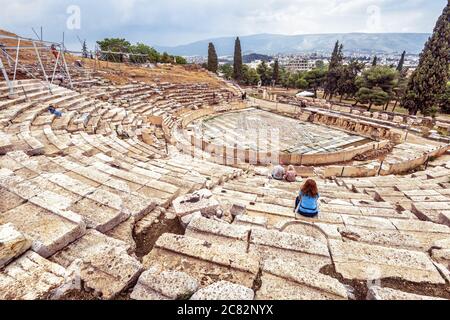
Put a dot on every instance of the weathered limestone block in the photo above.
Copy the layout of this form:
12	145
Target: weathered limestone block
272	244
441	252
205	261
49	232
31	277
237	210
254	222
219	232
5	144
185	220
386	238
437	212
12	243
165	285
366	262
369	222
124	232
306	229
378	293
224	290
106	266
444	218
199	201
288	280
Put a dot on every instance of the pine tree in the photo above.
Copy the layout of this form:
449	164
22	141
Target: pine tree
429	80
333	70
401	62
276	72
376	85
213	61
375	61
237	73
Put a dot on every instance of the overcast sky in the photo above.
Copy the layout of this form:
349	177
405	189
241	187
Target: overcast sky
174	22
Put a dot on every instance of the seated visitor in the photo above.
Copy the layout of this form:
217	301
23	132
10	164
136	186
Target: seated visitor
291	174
278	172
307	203
55	112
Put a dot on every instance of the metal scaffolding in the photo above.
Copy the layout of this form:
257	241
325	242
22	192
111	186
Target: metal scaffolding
12	60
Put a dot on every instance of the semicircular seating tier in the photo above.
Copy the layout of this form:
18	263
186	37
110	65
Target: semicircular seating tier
94	204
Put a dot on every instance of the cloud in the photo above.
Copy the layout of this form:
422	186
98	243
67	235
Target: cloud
173	22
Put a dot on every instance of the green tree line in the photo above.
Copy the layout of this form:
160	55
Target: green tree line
115	50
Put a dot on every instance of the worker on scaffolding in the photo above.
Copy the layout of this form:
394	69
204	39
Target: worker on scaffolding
3	49
54	51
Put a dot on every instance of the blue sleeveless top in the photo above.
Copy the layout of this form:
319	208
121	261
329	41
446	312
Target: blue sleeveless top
309	204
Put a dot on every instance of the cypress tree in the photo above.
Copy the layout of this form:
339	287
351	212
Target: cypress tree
84	50
429	80
276	72
237	73
401	62
375	61
213	61
334	70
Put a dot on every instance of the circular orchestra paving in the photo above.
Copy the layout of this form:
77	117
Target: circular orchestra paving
265	131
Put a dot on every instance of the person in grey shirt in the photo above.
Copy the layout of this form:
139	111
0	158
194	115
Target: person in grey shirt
278	172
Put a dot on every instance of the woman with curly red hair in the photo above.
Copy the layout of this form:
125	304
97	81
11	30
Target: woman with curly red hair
307	202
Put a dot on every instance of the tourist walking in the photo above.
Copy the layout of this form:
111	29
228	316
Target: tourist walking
307	202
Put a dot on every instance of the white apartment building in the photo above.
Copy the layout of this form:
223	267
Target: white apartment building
297	64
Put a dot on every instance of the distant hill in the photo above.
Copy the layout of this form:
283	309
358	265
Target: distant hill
270	44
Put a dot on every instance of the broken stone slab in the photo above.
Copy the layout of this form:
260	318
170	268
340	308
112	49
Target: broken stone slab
288	280
303	228
186	220
378	293
12	243
31	277
106	266
207	262
9	200
225	291
444	217
218	231
437	212
124	232
368	222
165	285
98	215
254	222
420	226
273	244
441	252
237	210
48	232
204	193
195	202
5	144
360	261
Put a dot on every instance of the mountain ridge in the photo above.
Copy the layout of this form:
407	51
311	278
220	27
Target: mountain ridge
271	44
